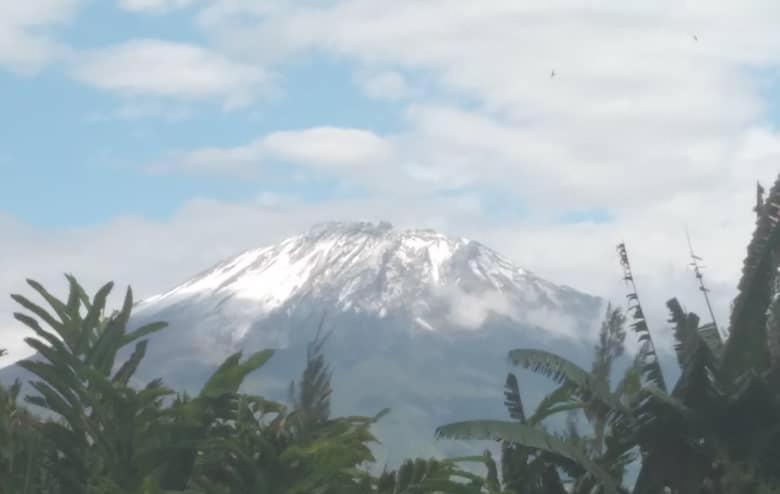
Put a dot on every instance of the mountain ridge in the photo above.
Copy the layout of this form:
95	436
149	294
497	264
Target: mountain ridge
418	322
371	268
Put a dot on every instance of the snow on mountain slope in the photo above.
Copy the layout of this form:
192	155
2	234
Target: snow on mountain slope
418	322
438	282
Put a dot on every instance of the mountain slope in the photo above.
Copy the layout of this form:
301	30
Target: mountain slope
418	322
439	284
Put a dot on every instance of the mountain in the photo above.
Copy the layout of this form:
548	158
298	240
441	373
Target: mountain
418	322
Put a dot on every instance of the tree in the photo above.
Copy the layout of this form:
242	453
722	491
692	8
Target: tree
240	443
326	454
421	476
107	432
719	429
24	456
109	437
532	455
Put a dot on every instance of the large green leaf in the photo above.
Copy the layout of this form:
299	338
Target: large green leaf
512	399
773	328
127	369
39	311
230	375
746	347
55	303
527	436
563	371
143	331
46	335
92	319
557	401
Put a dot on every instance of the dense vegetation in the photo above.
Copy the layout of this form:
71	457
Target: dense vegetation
716	430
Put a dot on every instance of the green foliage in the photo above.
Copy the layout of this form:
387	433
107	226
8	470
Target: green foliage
719	428
610	345
231	374
107	432
422	476
22	447
311	400
108	437
647	357
747	346
532	457
530	437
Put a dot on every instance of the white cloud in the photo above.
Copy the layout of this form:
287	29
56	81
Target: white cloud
634	92
582	255
154	6
136	109
388	85
471	310
27	42
640	120
200	234
330	148
165	69
221	160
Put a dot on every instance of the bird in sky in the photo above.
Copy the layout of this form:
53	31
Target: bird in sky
552	74
695	38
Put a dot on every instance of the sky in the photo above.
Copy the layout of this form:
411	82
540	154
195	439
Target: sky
144	140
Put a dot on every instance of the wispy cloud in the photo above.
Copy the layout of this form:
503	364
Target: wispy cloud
634	93
641	121
388	84
204	232
155	6
328	148
27	42
227	160
132	110
178	71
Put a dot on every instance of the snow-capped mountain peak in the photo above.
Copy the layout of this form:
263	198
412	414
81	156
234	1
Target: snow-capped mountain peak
371	268
418	322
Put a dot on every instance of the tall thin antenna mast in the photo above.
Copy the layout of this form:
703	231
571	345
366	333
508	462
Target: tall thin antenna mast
700	278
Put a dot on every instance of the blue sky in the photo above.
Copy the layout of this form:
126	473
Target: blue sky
178	132
88	161
65	142
87	149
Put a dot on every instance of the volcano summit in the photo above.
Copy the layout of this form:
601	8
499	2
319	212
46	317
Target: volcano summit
418	322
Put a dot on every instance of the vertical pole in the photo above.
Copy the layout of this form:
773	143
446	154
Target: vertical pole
700	277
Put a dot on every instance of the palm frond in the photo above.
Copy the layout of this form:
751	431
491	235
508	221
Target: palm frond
561	370
558	401
528	436
685	325
773	327
231	373
746	346
512	399
650	366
